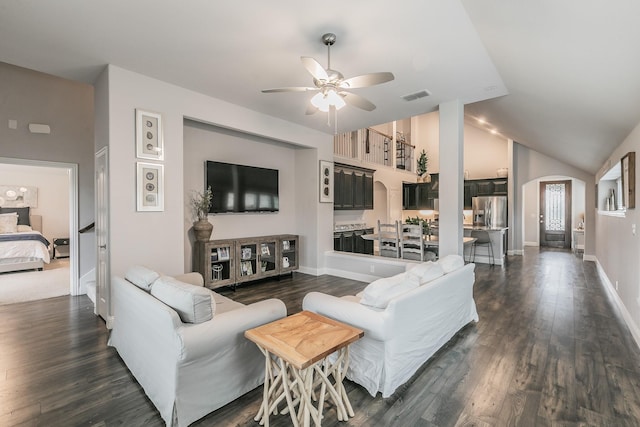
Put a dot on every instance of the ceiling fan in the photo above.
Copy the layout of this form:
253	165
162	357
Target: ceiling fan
332	87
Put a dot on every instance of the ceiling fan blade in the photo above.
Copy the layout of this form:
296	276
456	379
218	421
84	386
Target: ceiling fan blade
290	89
366	80
357	101
314	68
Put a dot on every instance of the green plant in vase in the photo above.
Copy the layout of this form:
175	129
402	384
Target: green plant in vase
200	203
423	163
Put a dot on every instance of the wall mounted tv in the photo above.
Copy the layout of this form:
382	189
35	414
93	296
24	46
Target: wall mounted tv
239	188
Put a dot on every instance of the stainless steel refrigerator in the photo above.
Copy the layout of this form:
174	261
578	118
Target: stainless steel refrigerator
489	211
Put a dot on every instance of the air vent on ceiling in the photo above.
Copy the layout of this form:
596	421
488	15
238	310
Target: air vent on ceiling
417	95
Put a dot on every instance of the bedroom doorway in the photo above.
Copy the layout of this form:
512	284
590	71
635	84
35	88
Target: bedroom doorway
58	207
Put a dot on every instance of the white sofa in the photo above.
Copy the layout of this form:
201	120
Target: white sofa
187	369
407	318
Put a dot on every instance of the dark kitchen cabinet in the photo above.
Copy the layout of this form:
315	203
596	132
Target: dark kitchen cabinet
420	195
470	191
353	188
500	187
352	241
484	187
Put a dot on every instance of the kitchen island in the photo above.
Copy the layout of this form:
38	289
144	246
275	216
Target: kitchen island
498	237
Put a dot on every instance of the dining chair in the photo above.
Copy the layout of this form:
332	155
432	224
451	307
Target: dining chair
389	239
483	238
411	244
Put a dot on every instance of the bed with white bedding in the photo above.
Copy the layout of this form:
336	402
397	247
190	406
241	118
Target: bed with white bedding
24	250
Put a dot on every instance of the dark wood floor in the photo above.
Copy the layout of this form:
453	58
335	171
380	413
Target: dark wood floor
549	350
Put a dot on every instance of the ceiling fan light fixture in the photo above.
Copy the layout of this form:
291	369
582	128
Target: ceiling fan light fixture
322	101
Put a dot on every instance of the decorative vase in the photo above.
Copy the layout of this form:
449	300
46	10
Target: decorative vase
202	230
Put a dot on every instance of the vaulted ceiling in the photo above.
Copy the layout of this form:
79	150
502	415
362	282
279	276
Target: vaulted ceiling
559	77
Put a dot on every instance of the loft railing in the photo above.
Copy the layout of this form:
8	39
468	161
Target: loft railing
372	146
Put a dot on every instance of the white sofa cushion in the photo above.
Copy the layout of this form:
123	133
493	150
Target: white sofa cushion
141	276
451	263
378	293
194	304
426	272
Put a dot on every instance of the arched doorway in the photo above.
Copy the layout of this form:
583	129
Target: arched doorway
535	210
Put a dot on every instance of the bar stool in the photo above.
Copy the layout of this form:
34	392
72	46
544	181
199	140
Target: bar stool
482	239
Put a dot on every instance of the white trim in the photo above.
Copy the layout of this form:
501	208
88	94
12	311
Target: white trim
589	258
517	252
72	169
635	331
536	244
310	270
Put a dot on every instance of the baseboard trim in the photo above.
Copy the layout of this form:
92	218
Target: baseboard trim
309	270
531	244
517	252
351	275
87	278
635	331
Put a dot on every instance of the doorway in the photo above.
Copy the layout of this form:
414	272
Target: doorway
555	214
52	206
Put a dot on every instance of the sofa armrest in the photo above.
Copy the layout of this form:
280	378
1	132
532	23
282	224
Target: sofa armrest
191	278
375	324
226	329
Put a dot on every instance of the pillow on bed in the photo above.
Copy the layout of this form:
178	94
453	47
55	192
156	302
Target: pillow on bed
24	228
23	214
8	223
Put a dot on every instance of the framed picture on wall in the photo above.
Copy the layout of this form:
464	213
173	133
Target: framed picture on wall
326	181
150	187
149	135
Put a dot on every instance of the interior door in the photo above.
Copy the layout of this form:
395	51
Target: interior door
555	214
103	287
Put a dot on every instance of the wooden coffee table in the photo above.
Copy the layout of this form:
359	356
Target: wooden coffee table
296	364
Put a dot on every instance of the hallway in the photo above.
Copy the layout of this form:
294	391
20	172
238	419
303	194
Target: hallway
549	349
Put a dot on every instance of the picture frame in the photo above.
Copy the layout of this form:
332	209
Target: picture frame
223	253
326	181
149	187
149	135
265	250
628	172
246	253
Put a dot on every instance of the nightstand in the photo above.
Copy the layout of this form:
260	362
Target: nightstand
61	243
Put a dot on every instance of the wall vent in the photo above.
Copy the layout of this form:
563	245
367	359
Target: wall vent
417	95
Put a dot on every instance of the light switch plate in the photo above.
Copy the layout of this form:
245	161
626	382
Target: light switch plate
13	124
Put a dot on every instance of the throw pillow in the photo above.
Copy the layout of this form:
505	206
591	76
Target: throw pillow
379	293
192	303
8	223
24	228
142	277
23	214
451	263
426	272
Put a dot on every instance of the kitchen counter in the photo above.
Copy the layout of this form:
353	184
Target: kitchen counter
498	238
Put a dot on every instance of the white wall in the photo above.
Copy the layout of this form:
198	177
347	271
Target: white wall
204	142
53	195
156	239
617	248
484	152
67	107
529	166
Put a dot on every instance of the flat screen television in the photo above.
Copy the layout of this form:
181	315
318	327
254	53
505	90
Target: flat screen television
239	188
